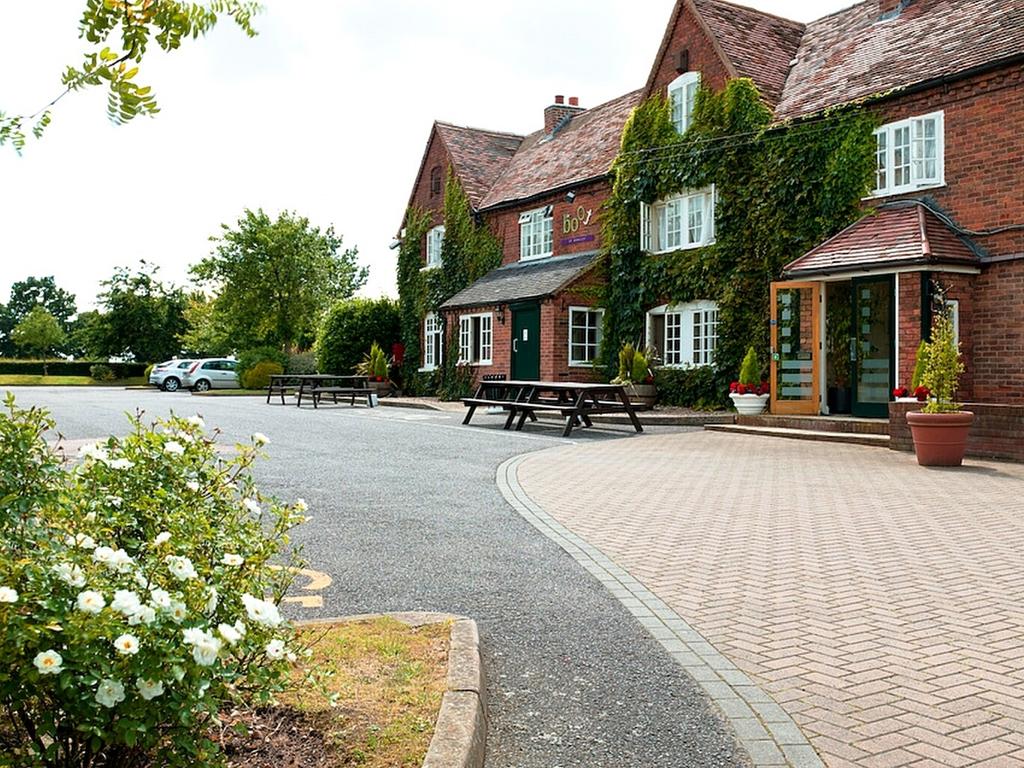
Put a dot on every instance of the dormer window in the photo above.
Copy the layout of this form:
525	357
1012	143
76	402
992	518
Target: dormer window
682	95
435	239
683	221
536	234
910	155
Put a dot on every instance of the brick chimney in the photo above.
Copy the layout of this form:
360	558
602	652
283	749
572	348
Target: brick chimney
558	111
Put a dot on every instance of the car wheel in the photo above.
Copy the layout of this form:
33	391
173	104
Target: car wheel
171	384
202	385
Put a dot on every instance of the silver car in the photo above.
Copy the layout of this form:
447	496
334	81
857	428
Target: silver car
212	373
168	375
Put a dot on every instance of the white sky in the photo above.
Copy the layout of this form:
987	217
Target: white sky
326	112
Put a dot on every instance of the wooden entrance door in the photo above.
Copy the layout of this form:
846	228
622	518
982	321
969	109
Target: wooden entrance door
796	348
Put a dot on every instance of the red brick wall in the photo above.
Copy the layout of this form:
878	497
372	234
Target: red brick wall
995	434
908	325
501	337
984	152
422	197
687	33
998	333
554	330
505	223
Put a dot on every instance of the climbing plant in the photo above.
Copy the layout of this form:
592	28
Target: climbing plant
780	190
469	251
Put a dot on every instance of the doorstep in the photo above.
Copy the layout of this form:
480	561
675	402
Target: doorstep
826	436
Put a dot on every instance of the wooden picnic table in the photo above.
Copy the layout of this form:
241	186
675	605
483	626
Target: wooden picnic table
317	385
576	401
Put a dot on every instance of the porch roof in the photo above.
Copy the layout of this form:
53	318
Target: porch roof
522	280
901	234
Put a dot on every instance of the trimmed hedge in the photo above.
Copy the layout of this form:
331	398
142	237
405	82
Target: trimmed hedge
702	389
258	377
68	368
349	329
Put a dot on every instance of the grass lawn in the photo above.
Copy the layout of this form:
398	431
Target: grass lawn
25	380
389	678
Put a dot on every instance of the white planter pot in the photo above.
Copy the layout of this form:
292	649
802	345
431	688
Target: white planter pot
907	400
749	405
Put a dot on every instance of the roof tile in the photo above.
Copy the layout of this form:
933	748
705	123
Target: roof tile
522	280
479	156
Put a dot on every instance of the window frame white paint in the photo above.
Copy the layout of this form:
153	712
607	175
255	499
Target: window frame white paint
435	241
599	311
683	348
468	340
683	92
430	350
655	235
912	151
537	229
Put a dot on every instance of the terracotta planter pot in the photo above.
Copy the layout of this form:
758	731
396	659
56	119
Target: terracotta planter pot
940	439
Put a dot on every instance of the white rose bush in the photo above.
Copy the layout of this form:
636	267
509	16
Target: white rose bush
139	594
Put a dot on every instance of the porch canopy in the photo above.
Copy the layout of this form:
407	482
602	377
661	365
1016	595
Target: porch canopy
522	281
905	234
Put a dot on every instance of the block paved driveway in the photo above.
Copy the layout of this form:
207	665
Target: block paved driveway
880	603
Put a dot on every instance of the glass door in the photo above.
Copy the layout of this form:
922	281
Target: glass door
873	345
795	332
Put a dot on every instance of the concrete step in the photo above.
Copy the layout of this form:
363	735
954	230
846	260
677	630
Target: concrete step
818	423
851	438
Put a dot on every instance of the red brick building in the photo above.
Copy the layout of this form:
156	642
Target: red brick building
946	79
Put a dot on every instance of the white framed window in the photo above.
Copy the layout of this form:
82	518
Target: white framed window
684	221
476	341
584	334
433	341
682	96
684	335
910	155
536	234
435	239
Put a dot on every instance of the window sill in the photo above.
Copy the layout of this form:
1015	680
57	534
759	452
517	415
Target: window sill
430	267
681	248
538	257
685	366
427	369
480	364
577	364
903	191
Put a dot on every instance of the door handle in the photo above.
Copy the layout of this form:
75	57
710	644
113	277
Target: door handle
515	348
853	348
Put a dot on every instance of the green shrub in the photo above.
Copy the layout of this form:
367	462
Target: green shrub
702	388
942	367
920	363
258	377
102	372
375	364
750	370
349	329
301	363
10	366
149	370
640	369
250	358
140	594
626	355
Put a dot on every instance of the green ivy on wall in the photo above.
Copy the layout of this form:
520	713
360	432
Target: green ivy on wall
470	250
781	189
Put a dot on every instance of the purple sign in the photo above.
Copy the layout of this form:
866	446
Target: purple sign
576	239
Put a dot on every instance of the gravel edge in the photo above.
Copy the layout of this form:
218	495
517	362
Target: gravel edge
460	734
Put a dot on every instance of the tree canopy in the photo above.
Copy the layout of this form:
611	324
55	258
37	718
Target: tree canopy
39	333
143	318
119	33
26	295
275	278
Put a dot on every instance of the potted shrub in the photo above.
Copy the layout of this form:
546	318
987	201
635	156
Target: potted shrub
375	367
749	394
635	373
940	428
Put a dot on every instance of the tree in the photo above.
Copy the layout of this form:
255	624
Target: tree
87	337
31	292
144	318
137	23
274	279
7	347
206	334
39	333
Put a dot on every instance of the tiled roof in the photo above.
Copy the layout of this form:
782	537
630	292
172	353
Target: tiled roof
584	149
851	54
479	156
759	45
522	280
899	234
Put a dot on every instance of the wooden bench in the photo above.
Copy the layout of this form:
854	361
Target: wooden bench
280	388
350	392
525	410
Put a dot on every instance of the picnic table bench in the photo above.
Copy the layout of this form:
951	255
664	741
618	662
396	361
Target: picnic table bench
576	401
319	385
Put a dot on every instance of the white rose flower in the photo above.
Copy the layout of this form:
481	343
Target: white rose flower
149	689
301	505
291	656
110	693
240	628
8	595
196	421
205	649
193	486
260	439
81	540
115	559
126	602
252	505
145	615
120	464
48	662
232	559
93	452
91	602
141	579
162	538
229	633
192	635
181	567
127	645
275	649
261	611
115	501
178	611
91	517
174	448
161	598
123	562
211	600
72	575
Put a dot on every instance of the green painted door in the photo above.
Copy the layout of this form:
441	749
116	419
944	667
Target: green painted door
874	345
526	342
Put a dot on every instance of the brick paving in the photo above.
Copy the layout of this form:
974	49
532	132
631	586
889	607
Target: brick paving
879	603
